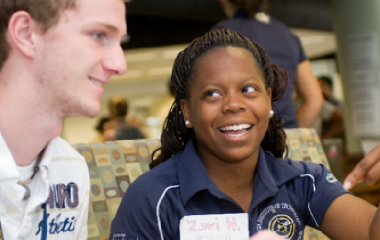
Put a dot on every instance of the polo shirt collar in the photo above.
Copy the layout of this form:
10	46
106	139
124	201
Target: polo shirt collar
271	173
8	168
192	174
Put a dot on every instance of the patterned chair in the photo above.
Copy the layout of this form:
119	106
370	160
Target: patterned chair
115	165
304	145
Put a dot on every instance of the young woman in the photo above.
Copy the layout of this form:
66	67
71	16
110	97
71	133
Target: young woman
220	170
250	19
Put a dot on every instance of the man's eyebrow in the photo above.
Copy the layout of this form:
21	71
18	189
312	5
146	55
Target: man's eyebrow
109	26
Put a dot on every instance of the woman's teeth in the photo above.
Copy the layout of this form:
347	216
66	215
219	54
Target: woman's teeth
235	127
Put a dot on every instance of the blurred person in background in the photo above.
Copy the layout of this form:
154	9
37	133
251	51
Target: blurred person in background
120	128
327	88
331	117
330	122
102	125
248	18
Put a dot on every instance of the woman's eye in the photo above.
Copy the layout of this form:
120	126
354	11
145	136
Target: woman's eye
212	94
248	89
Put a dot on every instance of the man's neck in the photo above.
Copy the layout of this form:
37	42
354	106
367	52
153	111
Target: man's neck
25	128
26	140
27	122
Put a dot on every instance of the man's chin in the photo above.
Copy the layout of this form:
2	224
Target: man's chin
89	112
92	114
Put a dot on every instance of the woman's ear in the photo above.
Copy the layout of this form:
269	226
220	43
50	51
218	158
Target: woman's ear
185	108
269	95
21	33
269	101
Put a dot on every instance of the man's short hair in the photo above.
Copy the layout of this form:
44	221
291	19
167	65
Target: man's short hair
327	80
45	12
118	106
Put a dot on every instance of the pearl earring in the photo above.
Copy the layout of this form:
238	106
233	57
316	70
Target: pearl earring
187	122
271	112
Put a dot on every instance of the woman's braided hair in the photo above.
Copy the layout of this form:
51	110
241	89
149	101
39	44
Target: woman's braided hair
175	135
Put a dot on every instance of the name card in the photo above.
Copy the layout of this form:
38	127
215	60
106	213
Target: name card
214	227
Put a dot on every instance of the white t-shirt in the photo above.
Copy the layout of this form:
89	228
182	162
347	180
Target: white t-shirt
58	204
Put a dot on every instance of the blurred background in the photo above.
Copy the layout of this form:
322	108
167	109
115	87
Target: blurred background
340	37
158	30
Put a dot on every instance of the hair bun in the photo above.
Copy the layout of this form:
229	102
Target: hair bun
280	81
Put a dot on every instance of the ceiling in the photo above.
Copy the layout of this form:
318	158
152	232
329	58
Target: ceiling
159	29
154	23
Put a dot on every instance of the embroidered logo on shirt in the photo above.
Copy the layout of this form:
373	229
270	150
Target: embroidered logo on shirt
60	196
331	178
282	224
282	219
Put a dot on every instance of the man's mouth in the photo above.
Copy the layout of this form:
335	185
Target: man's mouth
95	82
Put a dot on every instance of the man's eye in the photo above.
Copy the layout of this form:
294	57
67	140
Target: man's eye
248	89
99	35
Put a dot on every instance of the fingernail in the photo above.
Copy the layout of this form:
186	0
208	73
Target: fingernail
347	185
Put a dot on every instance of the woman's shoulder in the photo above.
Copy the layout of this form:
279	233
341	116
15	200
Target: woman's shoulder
303	167
157	179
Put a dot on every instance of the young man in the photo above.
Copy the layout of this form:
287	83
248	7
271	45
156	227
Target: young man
55	55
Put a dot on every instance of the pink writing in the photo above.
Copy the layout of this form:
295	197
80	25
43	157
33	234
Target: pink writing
231	224
198	226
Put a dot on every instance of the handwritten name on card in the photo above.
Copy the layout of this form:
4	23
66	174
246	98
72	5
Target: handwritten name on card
214	227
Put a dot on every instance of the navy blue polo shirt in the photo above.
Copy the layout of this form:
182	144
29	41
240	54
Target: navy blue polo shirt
287	195
283	48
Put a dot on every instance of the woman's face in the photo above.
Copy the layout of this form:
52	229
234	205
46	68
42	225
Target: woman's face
228	106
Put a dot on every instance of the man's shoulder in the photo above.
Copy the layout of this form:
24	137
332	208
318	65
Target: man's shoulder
61	156
61	148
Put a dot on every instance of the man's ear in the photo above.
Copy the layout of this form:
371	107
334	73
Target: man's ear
185	108
21	33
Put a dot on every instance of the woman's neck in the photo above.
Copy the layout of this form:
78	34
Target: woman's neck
236	181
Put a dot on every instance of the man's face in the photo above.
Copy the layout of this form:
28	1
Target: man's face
80	54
